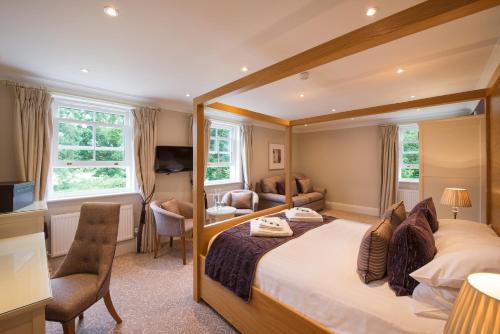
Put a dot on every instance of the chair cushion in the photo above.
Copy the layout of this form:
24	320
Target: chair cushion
396	214
72	294
172	206
429	209
372	255
241	200
314	196
242	212
305	186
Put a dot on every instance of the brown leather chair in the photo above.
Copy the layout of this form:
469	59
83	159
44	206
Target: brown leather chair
173	225
84	276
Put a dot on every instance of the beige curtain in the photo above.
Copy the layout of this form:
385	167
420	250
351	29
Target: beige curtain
145	128
33	133
390	156
206	132
246	154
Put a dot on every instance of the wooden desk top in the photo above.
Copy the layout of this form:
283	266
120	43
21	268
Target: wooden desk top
24	274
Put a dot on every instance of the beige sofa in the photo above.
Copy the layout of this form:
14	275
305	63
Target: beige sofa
314	200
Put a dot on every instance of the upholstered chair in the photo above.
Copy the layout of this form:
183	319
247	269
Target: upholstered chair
84	276
173	224
231	198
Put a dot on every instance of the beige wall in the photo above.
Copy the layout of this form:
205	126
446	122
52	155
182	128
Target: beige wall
346	162
8	170
262	137
453	155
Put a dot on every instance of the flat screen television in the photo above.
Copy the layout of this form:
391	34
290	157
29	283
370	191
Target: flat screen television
173	159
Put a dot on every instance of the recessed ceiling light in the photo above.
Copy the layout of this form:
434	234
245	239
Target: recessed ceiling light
84	70
400	70
371	11
305	124
244	69
352	119
187	95
111	11
301	95
334	110
413	96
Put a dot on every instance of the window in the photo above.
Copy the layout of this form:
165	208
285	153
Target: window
91	149
223	165
408	153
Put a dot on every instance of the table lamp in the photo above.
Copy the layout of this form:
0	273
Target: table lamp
456	197
477	308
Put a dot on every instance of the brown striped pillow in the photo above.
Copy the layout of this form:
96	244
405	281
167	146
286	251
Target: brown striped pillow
372	256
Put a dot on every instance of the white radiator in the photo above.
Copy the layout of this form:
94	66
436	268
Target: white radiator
409	197
63	229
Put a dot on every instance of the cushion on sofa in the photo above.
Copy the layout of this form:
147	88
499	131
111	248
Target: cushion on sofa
268	184
305	186
280	186
314	196
300	200
277	198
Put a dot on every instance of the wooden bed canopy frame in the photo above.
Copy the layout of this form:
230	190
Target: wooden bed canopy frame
264	314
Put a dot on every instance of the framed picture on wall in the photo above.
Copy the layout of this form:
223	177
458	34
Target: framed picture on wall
276	156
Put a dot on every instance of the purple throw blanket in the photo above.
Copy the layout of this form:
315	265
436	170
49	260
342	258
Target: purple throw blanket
233	255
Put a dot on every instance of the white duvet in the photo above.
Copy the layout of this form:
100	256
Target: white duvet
316	275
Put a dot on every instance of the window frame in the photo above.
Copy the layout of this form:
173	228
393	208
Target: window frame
127	146
401	165
235	163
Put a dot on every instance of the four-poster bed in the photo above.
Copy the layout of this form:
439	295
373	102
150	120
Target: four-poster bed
264	314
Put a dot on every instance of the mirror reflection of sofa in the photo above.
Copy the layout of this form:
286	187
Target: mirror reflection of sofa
271	191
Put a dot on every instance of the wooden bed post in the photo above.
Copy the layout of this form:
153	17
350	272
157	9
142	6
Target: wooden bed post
288	166
198	196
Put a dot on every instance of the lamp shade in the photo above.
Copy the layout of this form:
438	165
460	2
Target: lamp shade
477	308
456	197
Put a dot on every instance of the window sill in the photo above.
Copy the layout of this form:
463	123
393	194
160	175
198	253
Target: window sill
90	196
223	183
408	181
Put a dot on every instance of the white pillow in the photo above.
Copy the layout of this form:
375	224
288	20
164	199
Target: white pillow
463	247
431	302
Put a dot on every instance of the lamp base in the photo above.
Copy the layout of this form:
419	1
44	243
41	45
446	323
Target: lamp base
455	212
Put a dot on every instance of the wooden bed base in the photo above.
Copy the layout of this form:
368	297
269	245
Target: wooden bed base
264	314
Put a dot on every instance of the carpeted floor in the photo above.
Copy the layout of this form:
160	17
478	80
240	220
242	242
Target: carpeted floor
151	296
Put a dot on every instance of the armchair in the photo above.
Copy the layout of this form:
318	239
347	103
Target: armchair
241	210
173	224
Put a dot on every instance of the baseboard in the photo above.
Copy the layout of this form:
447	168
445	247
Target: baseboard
364	210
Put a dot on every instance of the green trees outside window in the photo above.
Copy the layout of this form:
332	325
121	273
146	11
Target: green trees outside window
409	159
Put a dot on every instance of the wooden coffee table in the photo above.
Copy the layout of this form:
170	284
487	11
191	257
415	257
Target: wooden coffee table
216	214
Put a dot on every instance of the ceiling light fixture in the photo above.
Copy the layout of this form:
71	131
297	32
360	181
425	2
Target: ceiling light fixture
244	69
334	110
413	96
305	124
371	11
400	70
301	95
84	70
111	11
352	119
187	95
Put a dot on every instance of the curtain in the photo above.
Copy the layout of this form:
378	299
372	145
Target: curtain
206	133
33	133
246	154
145	128
390	156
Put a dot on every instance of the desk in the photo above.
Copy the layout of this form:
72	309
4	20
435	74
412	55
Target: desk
24	284
24	221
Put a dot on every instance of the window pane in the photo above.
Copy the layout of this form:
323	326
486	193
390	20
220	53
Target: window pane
224	158
411	147
212	132
410	158
218	173
108	137
73	179
212	157
410	135
75	134
103	117
73	113
223	133
408	173
223	146
212	146
109	155
75	155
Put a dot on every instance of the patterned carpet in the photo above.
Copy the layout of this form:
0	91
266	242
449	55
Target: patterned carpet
152	296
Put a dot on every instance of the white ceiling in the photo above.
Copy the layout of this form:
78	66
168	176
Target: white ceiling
156	51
